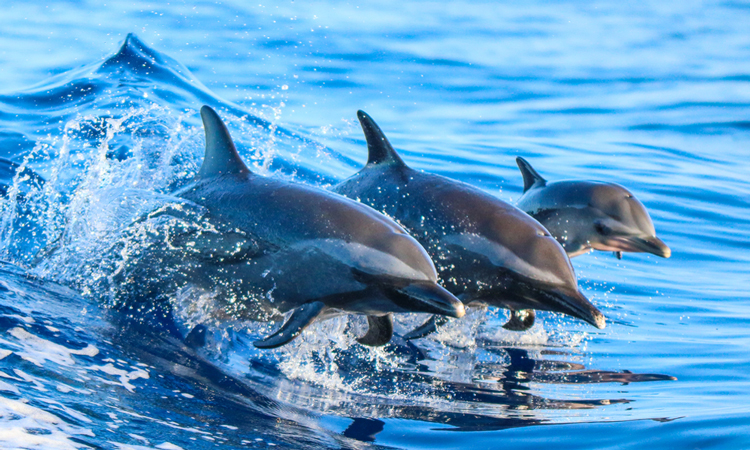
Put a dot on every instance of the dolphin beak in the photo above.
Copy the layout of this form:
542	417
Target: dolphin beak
430	298
651	244
657	247
578	306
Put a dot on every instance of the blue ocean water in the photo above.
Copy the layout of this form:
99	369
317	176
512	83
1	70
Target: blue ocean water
653	96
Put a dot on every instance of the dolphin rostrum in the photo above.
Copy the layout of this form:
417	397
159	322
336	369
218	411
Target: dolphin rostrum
585	215
485	250
276	246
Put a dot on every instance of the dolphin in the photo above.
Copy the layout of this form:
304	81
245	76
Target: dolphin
486	250
585	215
275	246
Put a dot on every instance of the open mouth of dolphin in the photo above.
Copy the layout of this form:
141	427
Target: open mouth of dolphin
636	244
427	297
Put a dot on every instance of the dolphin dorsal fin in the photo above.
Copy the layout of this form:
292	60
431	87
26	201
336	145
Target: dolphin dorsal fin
530	176
221	154
379	149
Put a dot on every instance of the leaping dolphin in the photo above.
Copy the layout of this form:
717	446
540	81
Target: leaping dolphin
485	250
585	215
281	246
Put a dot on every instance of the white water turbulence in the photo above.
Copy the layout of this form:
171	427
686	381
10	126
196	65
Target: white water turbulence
102	150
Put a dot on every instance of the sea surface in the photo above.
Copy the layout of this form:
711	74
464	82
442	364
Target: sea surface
101	101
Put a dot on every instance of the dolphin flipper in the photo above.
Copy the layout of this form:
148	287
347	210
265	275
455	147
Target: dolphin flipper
531	177
520	320
426	328
300	319
379	332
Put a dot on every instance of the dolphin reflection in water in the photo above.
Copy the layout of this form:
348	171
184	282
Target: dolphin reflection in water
270	246
486	250
585	215
491	388
505	394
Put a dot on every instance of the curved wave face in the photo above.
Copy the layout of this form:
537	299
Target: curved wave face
89	152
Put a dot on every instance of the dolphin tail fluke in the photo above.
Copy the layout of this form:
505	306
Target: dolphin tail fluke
221	155
379	149
520	320
531	177
379	332
426	328
300	319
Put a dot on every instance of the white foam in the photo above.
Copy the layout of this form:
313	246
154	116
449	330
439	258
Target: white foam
38	350
7	387
169	446
124	376
19	420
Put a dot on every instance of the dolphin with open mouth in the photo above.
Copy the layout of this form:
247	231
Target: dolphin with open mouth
275	246
585	215
486	250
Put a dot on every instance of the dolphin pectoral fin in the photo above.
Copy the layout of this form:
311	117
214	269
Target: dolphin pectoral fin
197	337
379	149
426	328
379	332
618	255
300	319
520	320
531	177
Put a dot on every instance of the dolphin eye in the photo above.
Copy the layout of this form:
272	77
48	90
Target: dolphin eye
602	229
